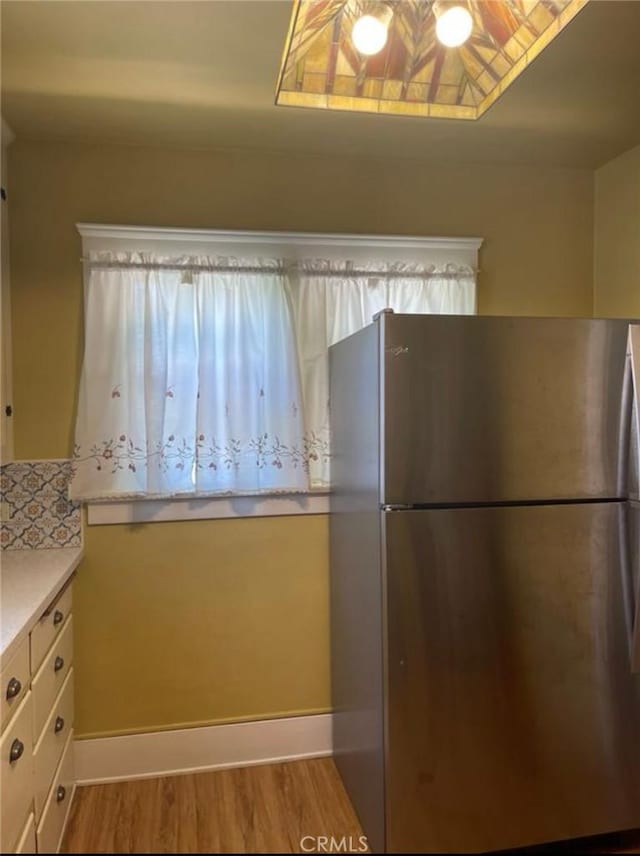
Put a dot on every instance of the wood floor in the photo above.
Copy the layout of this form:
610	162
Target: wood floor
267	809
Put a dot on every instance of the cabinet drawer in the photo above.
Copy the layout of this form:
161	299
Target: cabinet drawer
51	675
14	682
49	627
49	747
16	775
58	803
27	840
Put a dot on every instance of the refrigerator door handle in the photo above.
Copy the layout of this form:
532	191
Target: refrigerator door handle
629	534
630	554
632	452
635	642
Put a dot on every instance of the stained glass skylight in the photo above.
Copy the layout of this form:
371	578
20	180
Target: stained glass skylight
414	74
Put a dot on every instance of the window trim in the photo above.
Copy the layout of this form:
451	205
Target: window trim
203	508
97	236
294	247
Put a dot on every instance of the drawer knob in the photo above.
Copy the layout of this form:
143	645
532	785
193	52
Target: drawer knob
59	725
61	793
17	748
58	664
13	688
58	616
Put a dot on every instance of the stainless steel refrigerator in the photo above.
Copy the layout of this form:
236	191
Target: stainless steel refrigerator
484	580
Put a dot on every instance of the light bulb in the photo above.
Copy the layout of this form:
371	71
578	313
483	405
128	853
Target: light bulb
369	35
454	26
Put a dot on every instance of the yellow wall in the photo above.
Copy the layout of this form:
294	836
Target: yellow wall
193	622
216	620
617	237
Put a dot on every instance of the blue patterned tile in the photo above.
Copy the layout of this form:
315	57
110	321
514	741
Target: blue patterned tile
37	510
11	534
65	536
8	537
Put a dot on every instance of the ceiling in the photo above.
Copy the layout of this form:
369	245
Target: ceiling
203	75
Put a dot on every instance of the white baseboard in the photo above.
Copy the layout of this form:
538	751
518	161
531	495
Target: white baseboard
213	747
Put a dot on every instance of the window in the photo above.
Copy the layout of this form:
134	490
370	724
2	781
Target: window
205	371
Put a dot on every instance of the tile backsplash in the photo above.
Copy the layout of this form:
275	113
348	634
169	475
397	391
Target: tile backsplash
36	511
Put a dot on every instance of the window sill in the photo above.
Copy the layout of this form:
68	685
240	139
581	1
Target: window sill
161	511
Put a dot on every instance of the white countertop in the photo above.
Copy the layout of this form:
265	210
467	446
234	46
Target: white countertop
29	581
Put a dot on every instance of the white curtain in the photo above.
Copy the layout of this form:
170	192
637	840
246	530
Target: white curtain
333	299
205	377
190	384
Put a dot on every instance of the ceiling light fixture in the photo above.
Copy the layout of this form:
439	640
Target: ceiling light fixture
370	32
453	22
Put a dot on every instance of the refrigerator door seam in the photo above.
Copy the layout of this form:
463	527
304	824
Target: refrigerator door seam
503	504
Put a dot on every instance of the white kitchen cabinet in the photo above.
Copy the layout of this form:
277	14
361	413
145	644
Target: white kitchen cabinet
14	682
36	745
16	776
27	840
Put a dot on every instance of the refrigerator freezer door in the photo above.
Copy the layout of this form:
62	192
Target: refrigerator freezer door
513	714
503	409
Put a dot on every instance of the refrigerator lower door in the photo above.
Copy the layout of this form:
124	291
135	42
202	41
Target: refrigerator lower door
512	709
